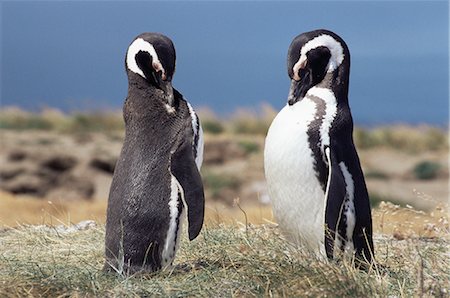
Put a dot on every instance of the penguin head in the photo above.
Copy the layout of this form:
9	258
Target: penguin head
150	61
313	55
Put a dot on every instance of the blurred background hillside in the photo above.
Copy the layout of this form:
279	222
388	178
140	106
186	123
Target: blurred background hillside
56	165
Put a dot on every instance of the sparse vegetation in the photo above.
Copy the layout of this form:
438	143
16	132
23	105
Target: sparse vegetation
249	146
49	119
212	126
13	118
218	184
426	170
374	174
82	122
405	138
255	122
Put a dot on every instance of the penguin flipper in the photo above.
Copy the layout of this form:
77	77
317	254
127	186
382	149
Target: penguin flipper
334	200
185	170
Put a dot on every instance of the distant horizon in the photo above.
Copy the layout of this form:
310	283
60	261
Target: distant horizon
203	111
70	55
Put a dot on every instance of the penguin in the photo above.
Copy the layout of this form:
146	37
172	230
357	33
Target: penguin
312	168
156	180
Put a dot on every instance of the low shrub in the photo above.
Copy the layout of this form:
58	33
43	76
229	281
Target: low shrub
426	170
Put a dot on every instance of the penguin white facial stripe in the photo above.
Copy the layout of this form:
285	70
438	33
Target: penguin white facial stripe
349	208
168	252
144	46
297	66
335	47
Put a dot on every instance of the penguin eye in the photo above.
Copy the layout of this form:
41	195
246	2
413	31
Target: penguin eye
318	55
144	60
318	59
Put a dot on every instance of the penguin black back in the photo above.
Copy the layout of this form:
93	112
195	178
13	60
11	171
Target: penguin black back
156	174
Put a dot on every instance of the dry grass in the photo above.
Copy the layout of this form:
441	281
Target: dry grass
412	139
224	261
52	119
388	218
235	255
16	210
32	211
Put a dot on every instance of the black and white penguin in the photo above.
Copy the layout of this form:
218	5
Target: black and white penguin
314	176
157	175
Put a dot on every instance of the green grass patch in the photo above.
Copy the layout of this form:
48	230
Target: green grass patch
29	122
406	138
374	174
426	170
216	183
249	147
105	121
212	126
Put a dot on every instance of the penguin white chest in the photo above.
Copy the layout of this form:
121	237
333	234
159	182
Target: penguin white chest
298	199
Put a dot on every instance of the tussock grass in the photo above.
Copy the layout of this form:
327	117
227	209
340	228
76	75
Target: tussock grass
224	261
256	121
412	139
52	119
252	122
426	170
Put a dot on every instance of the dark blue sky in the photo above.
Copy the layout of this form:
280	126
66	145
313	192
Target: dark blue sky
70	55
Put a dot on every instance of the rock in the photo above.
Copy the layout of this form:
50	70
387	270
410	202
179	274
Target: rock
10	172
60	163
26	184
72	188
17	155
104	164
47	174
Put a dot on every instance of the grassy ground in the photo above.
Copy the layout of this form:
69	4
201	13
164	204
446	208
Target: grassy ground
233	256
225	261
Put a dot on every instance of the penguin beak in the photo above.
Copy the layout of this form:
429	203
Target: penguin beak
166	86
294	92
299	87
